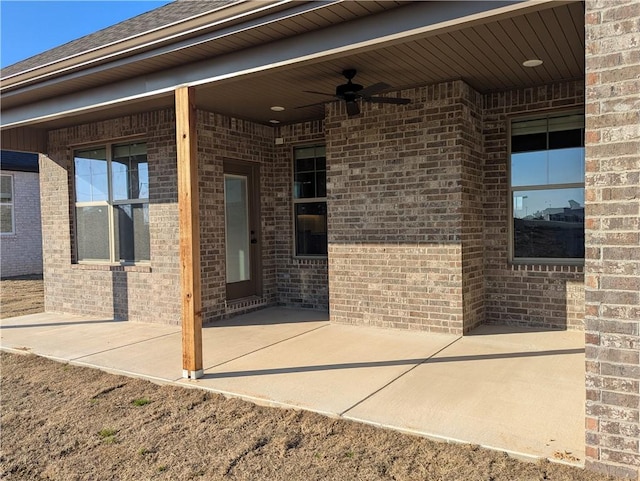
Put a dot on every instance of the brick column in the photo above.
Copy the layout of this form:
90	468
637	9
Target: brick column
612	266
405	211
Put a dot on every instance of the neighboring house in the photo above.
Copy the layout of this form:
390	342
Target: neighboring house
21	235
475	170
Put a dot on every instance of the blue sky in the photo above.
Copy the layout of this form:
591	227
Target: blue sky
30	27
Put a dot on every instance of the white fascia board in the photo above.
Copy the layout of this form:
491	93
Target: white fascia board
400	24
133	43
173	47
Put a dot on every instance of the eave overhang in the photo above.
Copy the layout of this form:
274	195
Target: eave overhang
324	46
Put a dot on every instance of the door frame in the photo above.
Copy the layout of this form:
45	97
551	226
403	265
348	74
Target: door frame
252	171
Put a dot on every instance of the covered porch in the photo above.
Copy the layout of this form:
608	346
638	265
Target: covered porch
490	388
419	202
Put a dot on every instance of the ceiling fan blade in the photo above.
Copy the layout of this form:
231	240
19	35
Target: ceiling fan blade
319	93
313	105
374	89
387	100
352	108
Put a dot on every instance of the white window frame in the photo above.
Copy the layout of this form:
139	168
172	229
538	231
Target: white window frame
511	189
110	204
306	200
11	204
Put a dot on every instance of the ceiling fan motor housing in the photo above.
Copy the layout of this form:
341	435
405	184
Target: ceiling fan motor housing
348	91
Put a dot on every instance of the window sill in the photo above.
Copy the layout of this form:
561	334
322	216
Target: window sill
546	265
310	260
112	267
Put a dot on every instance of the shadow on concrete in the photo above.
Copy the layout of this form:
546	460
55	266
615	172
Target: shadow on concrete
242	320
62	324
398	362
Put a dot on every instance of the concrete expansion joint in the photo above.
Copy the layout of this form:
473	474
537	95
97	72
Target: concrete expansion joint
423	361
265	347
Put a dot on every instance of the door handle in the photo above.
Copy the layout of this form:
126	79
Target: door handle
253	237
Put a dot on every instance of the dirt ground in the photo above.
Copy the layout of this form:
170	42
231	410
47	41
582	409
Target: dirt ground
63	422
21	295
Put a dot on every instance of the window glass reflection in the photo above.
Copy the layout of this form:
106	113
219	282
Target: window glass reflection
549	223
131	224
91	182
130	172
561	166
311	229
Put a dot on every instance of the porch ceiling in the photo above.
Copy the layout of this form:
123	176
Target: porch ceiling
487	54
488	57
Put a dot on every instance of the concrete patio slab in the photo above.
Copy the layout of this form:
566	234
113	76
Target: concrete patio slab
327	370
242	335
69	338
160	358
515	390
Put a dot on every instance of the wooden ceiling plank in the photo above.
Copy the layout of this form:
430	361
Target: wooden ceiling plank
416	69
573	36
558	35
534	26
305	23
508	58
482	45
526	51
448	65
469	67
539	51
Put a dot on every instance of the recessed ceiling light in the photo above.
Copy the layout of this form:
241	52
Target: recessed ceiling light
277	108
274	121
534	62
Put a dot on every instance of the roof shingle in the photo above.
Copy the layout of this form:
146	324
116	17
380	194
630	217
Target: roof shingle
173	12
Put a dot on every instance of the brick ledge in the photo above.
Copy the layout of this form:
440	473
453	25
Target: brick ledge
110	268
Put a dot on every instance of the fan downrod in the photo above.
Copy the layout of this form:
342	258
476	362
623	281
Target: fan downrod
349	73
348	91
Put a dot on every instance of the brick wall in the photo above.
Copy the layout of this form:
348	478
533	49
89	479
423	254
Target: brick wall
612	269
152	293
402	181
472	184
21	252
301	282
523	295
222	138
137	293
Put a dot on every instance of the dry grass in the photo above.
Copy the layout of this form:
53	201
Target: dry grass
21	296
62	422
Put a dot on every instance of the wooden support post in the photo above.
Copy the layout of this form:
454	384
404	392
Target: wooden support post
189	212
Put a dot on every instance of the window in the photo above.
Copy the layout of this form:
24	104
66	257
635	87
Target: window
112	203
310	201
6	204
547	188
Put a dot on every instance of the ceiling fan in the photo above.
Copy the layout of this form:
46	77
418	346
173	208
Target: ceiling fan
351	93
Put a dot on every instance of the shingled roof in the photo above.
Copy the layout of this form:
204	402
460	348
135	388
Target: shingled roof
174	12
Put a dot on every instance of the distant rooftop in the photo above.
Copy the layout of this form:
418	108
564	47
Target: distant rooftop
176	11
18	161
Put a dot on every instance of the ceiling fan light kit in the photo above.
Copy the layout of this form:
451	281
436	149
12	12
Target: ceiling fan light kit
351	92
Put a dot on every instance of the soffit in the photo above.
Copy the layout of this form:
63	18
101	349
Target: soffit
206	46
487	55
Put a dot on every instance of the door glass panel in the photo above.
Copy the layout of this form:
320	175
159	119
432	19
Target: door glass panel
237	228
